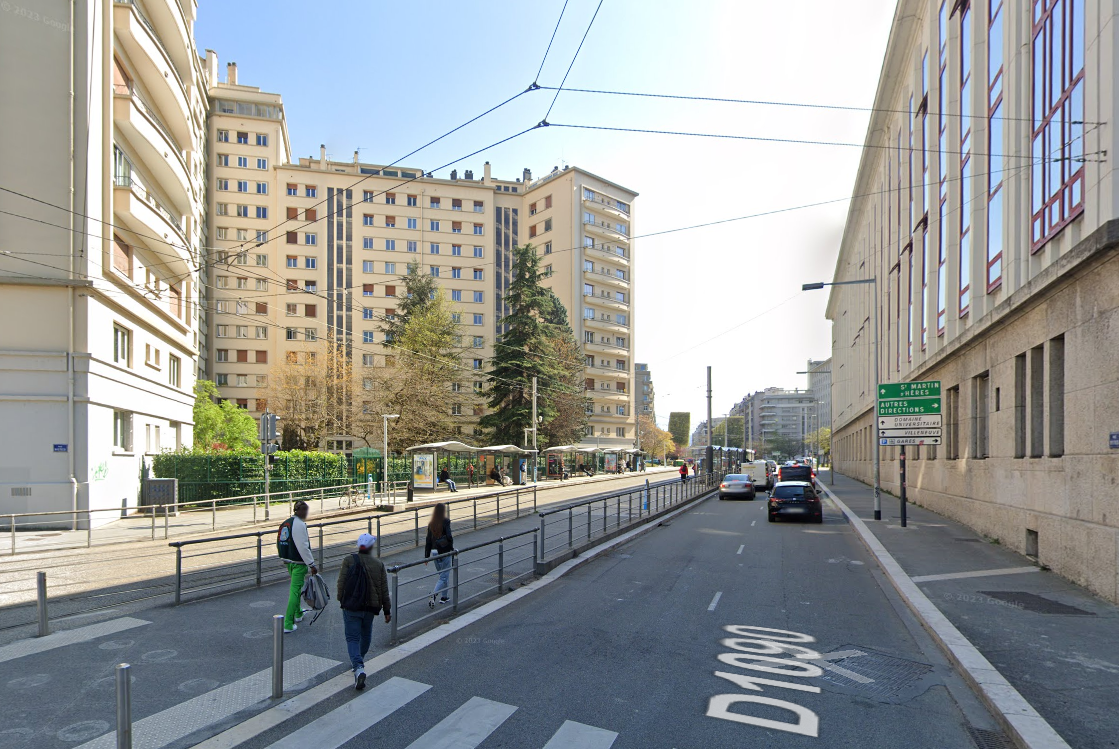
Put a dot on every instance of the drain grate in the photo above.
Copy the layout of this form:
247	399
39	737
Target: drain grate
1035	603
881	675
985	739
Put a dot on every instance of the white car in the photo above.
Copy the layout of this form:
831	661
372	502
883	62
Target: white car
758	469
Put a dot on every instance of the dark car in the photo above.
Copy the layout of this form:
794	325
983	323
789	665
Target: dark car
796	472
737	486
795	499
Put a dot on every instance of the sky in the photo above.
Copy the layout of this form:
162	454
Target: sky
387	78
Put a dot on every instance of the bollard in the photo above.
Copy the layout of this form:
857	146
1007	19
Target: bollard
88	531
646	492
454	581
570	527
178	573
535	545
322	559
588	522
417	512
629	499
629	509
378	537
213	515
541	537
475	514
395	597
166	523
259	558
500	564
124	706
41	594
534	497
604	503
12	530
155	511
369	526
498	508
518	503
277	656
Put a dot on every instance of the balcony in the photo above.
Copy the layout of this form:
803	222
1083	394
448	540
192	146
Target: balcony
606	205
605	322
168	22
137	37
607	276
146	215
597	371
157	148
616	253
604	348
610	395
606	299
604	229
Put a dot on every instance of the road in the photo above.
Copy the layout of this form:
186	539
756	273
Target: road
622	651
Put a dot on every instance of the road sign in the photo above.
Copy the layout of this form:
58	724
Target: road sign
887	441
909	433
922	421
894	390
1113	440
908	406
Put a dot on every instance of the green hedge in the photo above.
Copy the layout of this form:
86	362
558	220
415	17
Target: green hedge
216	475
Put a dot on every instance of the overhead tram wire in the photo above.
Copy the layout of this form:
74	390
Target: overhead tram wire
572	63
549	49
802	105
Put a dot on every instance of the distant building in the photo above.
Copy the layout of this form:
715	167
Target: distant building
644	392
819	384
773	412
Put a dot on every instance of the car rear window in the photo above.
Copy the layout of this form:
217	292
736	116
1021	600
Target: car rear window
737	477
789	492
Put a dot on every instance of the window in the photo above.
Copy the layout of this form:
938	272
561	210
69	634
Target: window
478	319
477	228
242	211
477	252
547	224
223	137
367	289
223	209
261	139
390	222
262	308
548	271
309	238
433	225
262	163
390	291
532	231
456	272
478	296
390	267
588	289
479	341
588	313
261	332
366	266
964	279
478	274
311	191
413	200
262	284
221	331
367	360
980	414
456	295
1057	397
413	223
367	196
434	248
310	333
261	211
390	198
242	185
310	310
1020	406
621	319
222	355
547	248
390	245
122	430
435	202
311	287
243	162
122	257
367	220
588	266
262	236
477	364
435	271
261	260
122	346
293	190
242	331
1057	195
223	184
367	336
367	243
456	250
292	237
292	261
261	188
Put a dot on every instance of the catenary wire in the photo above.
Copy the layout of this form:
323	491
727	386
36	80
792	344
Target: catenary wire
549	49
573	58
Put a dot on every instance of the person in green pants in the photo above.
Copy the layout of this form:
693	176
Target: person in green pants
293	545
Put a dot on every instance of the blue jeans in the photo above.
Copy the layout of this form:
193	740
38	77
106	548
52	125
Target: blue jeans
451	484
359	631
444	567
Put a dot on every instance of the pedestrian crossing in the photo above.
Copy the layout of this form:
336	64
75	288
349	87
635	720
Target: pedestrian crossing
466	727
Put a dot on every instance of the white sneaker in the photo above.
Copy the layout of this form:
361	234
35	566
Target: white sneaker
359	679
301	615
293	628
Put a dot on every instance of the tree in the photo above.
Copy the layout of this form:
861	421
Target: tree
822	437
309	391
221	426
680	425
654	440
419	292
528	349
734	437
566	392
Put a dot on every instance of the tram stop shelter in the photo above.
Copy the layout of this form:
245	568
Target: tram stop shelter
428	460
507	457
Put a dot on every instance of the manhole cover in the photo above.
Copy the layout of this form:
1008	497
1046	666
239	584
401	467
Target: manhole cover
985	739
875	674
1035	603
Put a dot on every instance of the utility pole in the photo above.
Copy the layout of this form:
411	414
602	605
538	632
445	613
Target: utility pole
535	455
710	455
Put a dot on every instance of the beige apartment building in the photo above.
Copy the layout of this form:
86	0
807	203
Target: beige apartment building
314	248
101	293
986	210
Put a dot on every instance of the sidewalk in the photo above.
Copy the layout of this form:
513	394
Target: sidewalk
1055	642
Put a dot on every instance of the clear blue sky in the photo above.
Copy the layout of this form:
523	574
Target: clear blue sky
388	77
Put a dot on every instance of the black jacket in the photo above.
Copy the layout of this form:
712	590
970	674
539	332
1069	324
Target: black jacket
377	577
447	545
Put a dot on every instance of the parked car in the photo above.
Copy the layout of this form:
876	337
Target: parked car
737	486
795	499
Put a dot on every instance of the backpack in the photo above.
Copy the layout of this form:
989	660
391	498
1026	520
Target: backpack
315	594
356	592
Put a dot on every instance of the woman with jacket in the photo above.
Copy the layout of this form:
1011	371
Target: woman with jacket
440	541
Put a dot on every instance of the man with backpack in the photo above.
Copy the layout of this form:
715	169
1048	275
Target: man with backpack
363	592
293	545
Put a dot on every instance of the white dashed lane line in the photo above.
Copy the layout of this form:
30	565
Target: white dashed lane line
740	548
715	601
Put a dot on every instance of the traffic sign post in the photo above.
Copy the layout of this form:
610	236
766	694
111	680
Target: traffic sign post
909	413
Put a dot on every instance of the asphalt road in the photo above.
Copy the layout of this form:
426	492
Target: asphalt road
629	644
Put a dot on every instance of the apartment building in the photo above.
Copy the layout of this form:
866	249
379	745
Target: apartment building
100	294
314	248
985	209
644	394
778	413
819	384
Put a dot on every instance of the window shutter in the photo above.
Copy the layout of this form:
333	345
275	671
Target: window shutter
311	214
311	310
548	202
390	291
262	308
242	355
261	357
293	237
293	212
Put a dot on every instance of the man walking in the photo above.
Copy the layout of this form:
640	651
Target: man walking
293	545
470	475
363	592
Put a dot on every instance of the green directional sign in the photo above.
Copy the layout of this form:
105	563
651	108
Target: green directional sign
897	390
908	406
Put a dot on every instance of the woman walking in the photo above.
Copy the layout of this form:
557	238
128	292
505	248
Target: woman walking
440	540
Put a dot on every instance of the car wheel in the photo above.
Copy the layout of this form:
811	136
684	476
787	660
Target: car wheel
772	519
818	519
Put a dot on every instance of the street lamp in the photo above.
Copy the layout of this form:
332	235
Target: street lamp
874	421
385	455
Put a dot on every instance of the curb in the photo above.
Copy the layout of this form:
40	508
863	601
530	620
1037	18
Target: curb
1015	715
274	716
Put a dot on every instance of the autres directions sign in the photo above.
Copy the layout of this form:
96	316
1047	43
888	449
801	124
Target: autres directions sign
909	413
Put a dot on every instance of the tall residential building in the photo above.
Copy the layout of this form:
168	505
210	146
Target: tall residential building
101	299
985	208
819	384
644	393
776	412
315	248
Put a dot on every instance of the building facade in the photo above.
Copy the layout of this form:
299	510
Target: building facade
101	289
819	384
313	249
644	393
985	208
777	413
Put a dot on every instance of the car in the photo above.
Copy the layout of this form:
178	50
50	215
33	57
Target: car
759	469
771	471
796	472
795	499
737	486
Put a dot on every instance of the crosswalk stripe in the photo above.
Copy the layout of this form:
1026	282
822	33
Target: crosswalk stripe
466	727
68	637
342	724
174	723
572	735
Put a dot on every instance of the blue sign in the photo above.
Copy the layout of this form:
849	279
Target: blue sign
1113	441
62	448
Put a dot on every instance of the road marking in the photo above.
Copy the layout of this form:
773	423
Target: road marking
823	661
976	573
174	723
572	735
743	546
466	727
89	632
715	601
344	723
753	523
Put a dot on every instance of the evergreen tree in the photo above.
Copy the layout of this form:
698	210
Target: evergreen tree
567	392
419	292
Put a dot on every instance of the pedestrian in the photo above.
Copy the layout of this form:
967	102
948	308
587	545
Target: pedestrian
293	545
445	478
363	592
684	473
470	475
524	472
440	540
695	469
495	475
